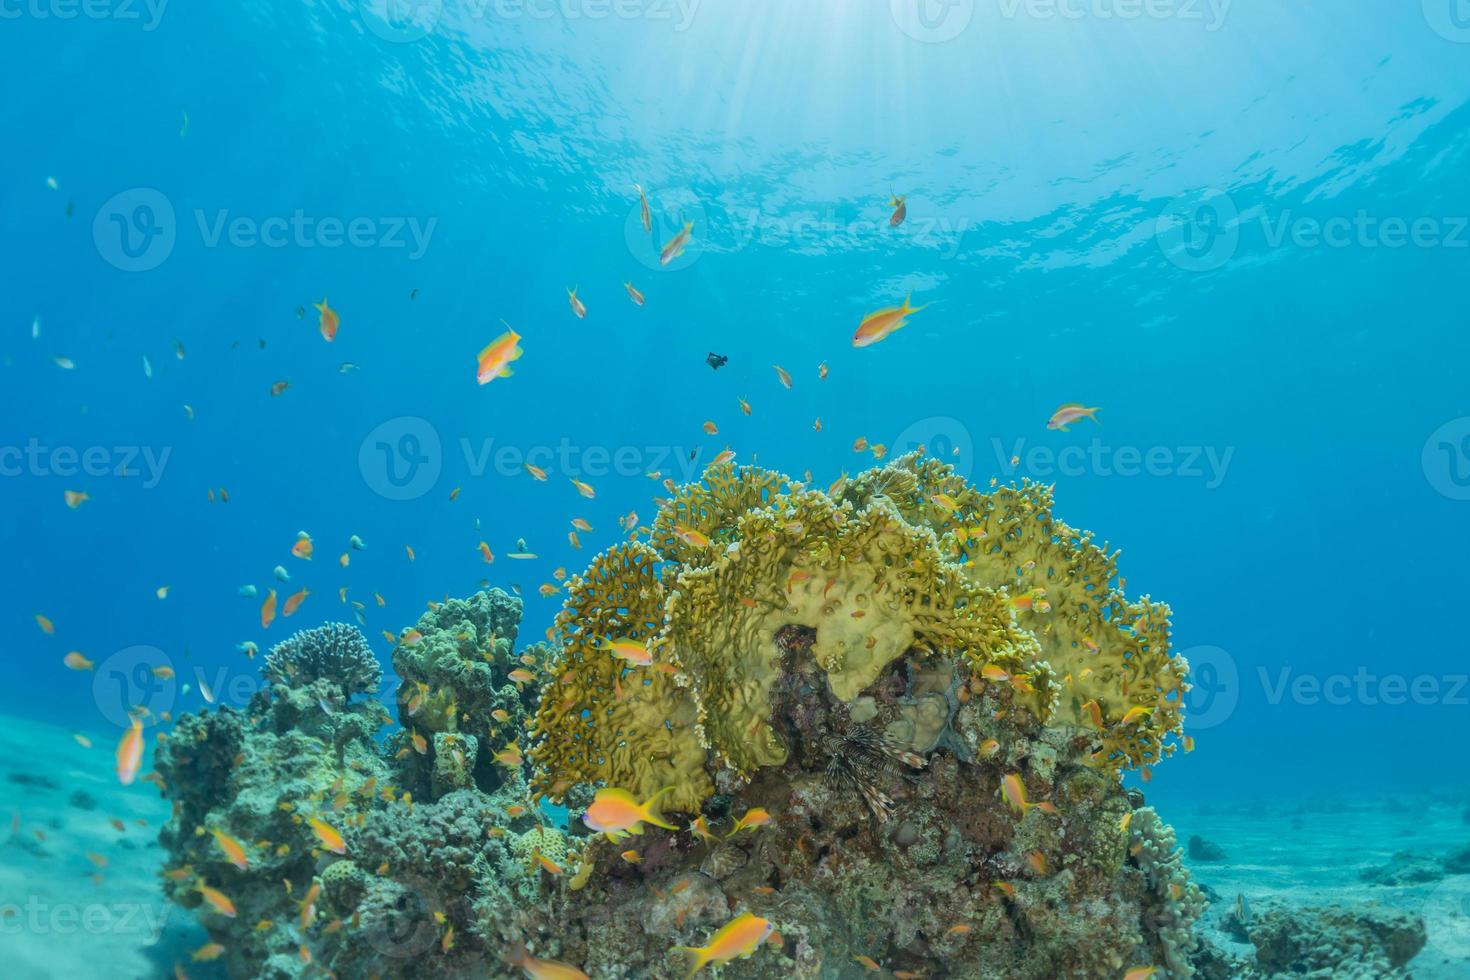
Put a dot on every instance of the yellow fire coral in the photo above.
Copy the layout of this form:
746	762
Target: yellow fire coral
902	561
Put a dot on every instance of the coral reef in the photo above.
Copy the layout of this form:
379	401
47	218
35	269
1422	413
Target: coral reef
893	719
931	693
458	676
1330	943
435	888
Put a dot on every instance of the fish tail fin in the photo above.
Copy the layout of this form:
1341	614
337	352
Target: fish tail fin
505	372
322	306
1092	414
651	815
694	959
573	291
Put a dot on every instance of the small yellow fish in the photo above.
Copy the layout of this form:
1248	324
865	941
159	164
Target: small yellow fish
782	375
737	939
233	849
328	835
1014	791
753	818
615	813
583	488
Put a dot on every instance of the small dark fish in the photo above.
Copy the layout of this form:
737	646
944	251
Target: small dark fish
300	312
262	343
716	361
692	454
414	294
71	208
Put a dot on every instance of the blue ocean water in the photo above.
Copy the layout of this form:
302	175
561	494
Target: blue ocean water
1239	229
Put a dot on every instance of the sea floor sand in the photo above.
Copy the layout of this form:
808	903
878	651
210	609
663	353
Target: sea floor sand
1316	853
60	921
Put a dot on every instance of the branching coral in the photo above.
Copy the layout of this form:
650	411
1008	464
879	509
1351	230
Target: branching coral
336	652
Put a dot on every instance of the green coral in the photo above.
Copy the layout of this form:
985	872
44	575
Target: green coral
907	562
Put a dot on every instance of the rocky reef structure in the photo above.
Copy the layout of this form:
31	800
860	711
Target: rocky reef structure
929	691
426	888
1364	942
891	718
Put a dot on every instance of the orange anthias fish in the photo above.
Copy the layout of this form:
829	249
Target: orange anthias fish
76	661
75	498
294	601
754	817
1071	412
782	375
900	210
46	625
330	321
643	213
536	969
633	651
328	835
232	848
876	326
268	610
303	548
633	294
583	488
675	246
691	537
1014	791
217	900
615	813
495	359
576	304
130	753
738	938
